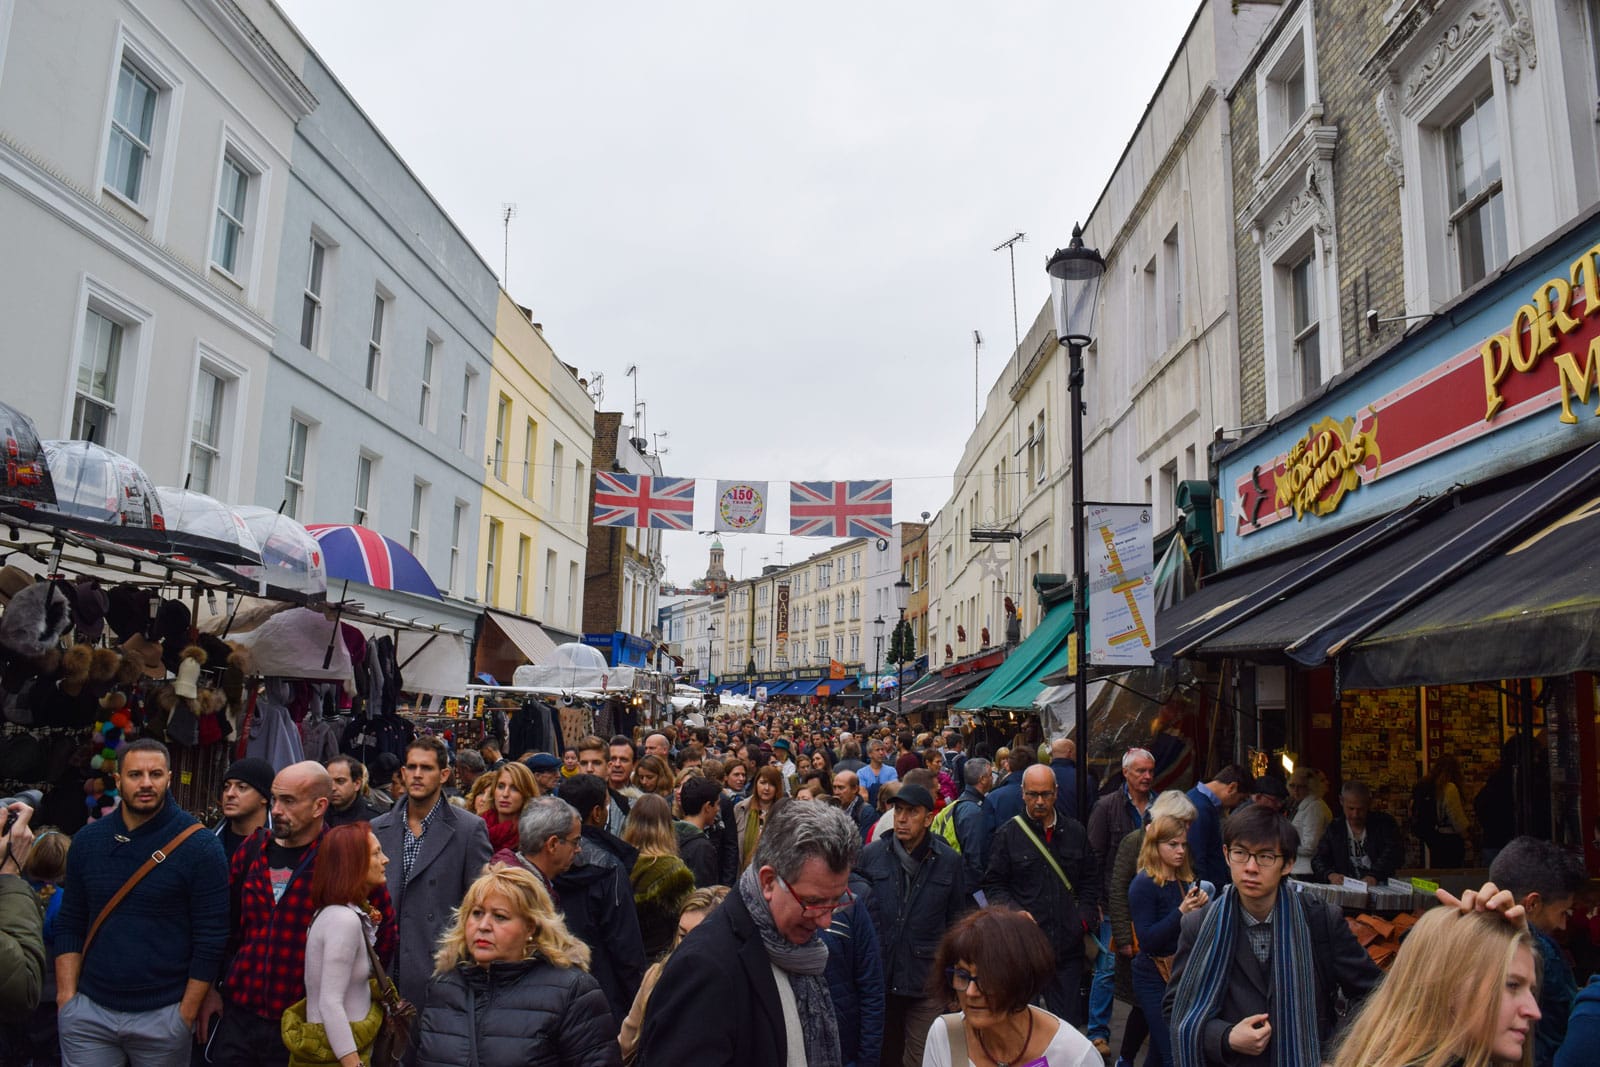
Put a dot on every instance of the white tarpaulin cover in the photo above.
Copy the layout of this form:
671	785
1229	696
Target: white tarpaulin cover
436	664
292	644
574	666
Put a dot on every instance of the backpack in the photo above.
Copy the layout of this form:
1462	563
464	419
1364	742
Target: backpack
1424	812
944	824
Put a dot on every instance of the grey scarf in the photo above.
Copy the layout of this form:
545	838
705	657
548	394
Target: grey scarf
804	964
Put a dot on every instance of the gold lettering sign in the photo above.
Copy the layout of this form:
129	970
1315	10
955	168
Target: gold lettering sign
1326	464
1546	320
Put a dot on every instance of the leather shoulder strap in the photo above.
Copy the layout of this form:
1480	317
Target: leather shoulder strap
956	1031
158	856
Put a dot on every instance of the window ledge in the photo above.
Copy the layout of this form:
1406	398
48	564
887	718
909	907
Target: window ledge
131	205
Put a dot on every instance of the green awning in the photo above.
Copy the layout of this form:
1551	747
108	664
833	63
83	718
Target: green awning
1020	678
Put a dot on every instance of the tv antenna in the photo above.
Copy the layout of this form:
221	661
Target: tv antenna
1010	245
977	348
508	211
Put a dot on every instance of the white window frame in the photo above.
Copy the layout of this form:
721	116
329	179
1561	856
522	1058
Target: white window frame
530	444
493	536
580	491
315	300
220	448
1480	201
458	523
417	534
551	564
557	455
375	372
1293	50
464	431
155	192
133	369
573	584
362	498
524	560
295	490
502	426
430	364
258	179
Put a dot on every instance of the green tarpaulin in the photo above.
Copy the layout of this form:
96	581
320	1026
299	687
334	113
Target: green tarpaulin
1017	681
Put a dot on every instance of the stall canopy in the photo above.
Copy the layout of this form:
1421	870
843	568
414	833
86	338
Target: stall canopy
804	687
357	554
1321	606
947	688
432	662
1018	681
528	636
574	666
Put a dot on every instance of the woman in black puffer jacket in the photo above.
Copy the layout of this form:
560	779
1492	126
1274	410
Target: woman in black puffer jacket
510	986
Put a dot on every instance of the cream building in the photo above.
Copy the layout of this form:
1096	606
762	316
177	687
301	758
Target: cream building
1161	375
540	437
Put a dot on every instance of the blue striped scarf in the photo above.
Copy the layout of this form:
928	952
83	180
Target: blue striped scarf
1293	1012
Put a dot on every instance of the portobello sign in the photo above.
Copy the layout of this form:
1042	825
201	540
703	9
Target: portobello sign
1544	362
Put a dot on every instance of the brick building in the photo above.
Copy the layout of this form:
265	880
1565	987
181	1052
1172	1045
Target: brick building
624	568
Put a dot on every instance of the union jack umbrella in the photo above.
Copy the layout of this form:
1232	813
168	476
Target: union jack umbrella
841	509
644	501
357	554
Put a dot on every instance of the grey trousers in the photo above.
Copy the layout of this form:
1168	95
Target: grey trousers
95	1036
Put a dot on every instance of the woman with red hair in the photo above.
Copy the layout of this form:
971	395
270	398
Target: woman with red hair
338	1021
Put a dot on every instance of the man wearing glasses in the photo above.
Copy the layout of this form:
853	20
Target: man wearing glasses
918	892
1040	863
1269	958
747	987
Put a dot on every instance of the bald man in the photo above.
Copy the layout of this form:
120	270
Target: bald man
659	745
271	879
1064	761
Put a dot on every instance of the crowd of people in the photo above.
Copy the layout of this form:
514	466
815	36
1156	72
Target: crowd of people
780	887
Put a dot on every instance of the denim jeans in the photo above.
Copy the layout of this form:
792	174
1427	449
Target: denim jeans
1103	987
1148	989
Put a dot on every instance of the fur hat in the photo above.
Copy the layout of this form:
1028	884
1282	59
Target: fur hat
146	653
13	580
191	660
89	606
129	611
35	620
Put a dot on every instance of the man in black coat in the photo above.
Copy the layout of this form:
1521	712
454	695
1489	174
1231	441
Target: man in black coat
918	892
1260	845
596	897
1365	845
699	797
717	1003
1040	863
847	787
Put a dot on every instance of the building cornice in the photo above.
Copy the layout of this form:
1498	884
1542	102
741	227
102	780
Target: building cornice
251	48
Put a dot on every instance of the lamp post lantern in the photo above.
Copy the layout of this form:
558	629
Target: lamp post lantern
902	598
1075	273
877	658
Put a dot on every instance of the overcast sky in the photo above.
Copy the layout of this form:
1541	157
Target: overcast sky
783	215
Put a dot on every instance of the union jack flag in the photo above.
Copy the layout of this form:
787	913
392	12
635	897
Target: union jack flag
643	501
841	509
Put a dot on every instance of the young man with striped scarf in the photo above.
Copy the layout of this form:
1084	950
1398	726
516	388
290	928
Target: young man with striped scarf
1255	978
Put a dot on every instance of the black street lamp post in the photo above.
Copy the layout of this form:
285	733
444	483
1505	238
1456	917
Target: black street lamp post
877	658
902	597
711	661
1075	273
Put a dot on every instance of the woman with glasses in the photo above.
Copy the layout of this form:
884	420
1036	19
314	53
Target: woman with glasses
1162	893
994	962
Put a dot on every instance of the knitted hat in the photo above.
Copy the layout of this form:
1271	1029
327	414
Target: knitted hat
194	657
254	772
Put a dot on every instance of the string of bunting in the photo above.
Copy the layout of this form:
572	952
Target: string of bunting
816	509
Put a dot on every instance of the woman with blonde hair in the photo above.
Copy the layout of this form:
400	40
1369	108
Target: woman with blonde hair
511	985
750	814
1162	893
661	880
513	788
652	775
480	796
695	908
1462	991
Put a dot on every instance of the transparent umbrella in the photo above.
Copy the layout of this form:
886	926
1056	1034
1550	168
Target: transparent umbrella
93	482
189	512
291	558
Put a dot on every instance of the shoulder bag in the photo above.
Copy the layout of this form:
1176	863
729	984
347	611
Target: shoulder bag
158	856
399	1017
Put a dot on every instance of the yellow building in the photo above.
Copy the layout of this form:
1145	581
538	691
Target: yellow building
536	488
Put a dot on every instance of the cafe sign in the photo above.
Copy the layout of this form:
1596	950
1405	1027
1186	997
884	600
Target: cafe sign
1544	362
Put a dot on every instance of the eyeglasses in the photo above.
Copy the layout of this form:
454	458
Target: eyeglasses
1241	856
962	979
819	910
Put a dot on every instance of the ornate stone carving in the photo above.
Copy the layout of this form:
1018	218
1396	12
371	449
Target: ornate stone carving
1515	48
1310	198
1387	105
1472	27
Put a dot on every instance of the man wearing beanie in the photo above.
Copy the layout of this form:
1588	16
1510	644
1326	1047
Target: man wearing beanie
246	798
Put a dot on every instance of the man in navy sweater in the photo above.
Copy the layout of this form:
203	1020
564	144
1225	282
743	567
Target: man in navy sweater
152	961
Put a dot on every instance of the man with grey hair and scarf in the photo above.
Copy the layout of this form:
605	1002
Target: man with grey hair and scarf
747	985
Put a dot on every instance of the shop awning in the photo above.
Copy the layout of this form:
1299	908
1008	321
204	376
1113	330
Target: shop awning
949	689
834	686
804	687
527	635
1020	679
1533	610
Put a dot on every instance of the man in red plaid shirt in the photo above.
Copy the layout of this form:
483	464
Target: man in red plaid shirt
271	886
